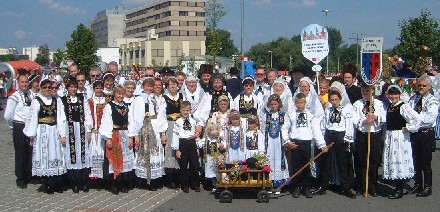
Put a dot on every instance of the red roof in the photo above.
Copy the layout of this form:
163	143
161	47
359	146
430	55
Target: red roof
25	64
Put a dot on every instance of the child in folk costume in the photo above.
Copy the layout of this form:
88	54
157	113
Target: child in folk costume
272	122
78	128
221	117
212	145
397	155
254	138
186	147
44	127
117	128
338	122
235	139
299	128
150	152
109	84
97	144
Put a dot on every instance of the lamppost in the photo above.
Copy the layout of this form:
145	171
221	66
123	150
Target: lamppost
357	47
270	58
326	11
290	62
30	37
126	42
242	39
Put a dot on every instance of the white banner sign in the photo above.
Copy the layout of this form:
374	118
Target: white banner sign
314	40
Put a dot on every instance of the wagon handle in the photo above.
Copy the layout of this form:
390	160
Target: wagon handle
301	169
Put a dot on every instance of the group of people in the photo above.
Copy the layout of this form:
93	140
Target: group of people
163	129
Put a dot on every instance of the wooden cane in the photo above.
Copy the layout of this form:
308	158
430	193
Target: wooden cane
368	146
301	169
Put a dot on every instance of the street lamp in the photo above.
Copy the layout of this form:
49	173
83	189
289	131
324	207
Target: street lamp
270	58
30	37
126	41
326	11
242	39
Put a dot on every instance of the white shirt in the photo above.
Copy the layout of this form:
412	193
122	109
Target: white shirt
179	131
308	130
345	123
379	111
429	111
16	108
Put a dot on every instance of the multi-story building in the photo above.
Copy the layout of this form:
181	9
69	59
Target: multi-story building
168	29
109	25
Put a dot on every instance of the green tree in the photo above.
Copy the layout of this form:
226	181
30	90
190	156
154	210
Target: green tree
214	12
227	48
43	55
6	57
415	33
58	57
82	48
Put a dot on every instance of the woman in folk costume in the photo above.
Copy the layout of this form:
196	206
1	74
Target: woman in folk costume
271	123
118	131
109	83
34	85
213	145
281	89
247	103
192	92
77	136
254	138
150	151
97	145
235	139
44	127
397	155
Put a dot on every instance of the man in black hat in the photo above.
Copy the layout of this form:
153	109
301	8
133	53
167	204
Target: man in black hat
296	74
166	74
234	86
206	75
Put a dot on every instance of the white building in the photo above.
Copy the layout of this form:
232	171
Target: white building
109	25
31	52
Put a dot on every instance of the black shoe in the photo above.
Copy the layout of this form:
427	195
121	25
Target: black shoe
348	193
22	185
186	190
426	192
152	188
85	189
124	189
197	189
296	192
114	190
358	193
373	194
307	193
49	190
319	191
416	189
42	188
398	193
75	189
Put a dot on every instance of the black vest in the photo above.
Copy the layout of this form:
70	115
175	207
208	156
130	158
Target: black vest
246	108
119	116
73	108
173	106
214	101
395	121
48	113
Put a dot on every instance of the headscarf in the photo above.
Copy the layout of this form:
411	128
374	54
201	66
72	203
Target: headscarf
198	93
285	97
341	89
313	104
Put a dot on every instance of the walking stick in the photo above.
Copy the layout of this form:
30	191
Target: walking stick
301	169
368	147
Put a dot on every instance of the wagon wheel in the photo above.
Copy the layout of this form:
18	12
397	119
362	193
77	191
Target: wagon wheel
263	196
226	196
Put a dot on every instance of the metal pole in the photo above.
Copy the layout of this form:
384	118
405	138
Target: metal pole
30	34
270	58
290	62
326	11
242	38
357	49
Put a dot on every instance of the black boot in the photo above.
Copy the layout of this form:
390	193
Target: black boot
296	192
307	192
114	188
319	191
425	192
398	193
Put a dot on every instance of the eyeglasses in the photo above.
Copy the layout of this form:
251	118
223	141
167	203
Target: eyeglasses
248	85
56	87
94	75
422	86
260	74
46	87
149	75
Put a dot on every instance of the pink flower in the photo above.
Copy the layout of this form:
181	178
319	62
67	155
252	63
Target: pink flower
266	169
222	166
244	167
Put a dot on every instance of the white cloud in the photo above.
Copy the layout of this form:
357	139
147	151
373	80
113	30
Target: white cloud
20	34
302	3
58	7
9	14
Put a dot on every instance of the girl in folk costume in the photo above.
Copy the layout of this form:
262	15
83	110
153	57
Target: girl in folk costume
34	84
118	131
235	139
254	138
77	135
272	122
221	117
97	144
109	84
173	101
247	103
397	155
212	145
281	89
150	152
44	127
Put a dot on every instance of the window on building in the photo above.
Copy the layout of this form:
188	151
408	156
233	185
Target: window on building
183	33
174	3
192	33
200	4
183	13
200	33
200	23
137	53
131	54
200	14
191	4
192	23
183	4
176	52
168	33
157	52
196	52
143	53
174	33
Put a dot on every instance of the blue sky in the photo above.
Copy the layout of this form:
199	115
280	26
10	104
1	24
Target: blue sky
38	22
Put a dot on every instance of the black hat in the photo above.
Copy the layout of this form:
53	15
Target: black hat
300	69
234	71
166	70
207	69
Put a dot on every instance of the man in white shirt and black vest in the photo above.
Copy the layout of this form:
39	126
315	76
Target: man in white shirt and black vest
427	106
16	113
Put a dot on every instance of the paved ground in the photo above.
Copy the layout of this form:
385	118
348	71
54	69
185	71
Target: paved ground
14	199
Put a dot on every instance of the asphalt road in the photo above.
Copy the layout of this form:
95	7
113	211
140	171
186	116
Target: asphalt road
15	199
